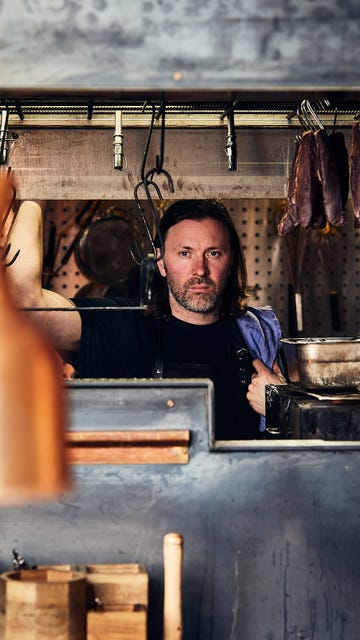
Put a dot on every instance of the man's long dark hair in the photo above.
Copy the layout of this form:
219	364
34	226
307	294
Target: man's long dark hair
234	297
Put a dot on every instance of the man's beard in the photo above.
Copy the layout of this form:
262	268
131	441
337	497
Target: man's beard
206	302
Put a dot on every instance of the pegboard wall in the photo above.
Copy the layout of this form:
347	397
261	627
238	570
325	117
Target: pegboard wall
322	268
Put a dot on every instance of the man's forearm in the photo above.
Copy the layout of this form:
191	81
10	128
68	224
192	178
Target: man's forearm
25	279
26	236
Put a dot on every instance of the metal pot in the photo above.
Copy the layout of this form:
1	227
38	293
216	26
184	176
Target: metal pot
325	361
102	250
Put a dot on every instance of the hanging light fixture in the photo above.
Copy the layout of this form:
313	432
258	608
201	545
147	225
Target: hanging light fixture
32	413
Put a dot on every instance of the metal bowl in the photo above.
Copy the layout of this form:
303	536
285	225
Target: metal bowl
325	361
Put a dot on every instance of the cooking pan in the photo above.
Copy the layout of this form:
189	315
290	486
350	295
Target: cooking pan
128	288
326	362
102	251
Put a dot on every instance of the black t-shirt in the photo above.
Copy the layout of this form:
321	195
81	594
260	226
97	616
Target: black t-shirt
129	344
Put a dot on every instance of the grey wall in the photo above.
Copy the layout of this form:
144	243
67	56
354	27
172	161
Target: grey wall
270	539
179	44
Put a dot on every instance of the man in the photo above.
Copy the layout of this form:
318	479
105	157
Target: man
197	324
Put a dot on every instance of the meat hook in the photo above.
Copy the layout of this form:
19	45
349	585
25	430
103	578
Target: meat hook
310	113
147	181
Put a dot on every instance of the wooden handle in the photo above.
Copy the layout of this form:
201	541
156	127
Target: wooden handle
7	195
173	556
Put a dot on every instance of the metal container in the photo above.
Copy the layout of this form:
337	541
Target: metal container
325	361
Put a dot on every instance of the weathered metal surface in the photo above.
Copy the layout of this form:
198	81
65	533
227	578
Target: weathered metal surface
139	405
271	547
45	113
78	164
325	417
327	361
206	43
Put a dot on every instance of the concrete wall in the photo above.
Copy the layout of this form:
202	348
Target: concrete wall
270	538
179	44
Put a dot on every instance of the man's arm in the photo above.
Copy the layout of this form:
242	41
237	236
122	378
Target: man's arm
24	277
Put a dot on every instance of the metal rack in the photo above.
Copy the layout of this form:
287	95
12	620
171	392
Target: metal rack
135	113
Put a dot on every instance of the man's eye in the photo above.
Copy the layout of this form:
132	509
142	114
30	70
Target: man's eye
183	253
214	253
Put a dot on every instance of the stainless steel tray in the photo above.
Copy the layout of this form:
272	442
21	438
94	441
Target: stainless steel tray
326	361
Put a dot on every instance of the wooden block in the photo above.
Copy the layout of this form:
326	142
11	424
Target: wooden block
116	585
117	625
128	447
43	604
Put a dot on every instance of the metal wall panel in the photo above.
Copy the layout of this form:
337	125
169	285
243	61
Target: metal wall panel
72	164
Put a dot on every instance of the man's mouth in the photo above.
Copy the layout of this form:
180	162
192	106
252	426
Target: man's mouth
199	284
200	288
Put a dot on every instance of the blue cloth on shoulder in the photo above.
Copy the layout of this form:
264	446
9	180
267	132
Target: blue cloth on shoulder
261	332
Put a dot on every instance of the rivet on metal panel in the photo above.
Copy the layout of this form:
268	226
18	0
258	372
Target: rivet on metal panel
170	404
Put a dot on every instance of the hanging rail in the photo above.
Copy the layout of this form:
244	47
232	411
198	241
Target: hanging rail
90	114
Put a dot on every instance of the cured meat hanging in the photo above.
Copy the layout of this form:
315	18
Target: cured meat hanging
340	152
355	172
290	218
308	195
318	184
328	176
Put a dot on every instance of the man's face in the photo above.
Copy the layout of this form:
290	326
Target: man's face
196	263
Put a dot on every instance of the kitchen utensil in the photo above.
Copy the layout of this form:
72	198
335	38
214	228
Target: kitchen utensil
102	252
294	245
173	556
327	361
328	247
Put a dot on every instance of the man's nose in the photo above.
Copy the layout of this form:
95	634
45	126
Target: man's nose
200	266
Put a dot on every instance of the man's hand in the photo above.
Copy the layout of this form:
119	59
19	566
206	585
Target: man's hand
263	376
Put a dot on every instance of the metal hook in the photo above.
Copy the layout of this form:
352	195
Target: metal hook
3	134
6	253
147	145
149	180
231	148
308	107
309	124
301	117
159	160
136	253
147	184
322	104
141	210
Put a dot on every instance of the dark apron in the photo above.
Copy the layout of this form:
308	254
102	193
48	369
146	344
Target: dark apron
234	418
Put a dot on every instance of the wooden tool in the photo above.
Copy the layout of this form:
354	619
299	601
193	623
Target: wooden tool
173	557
